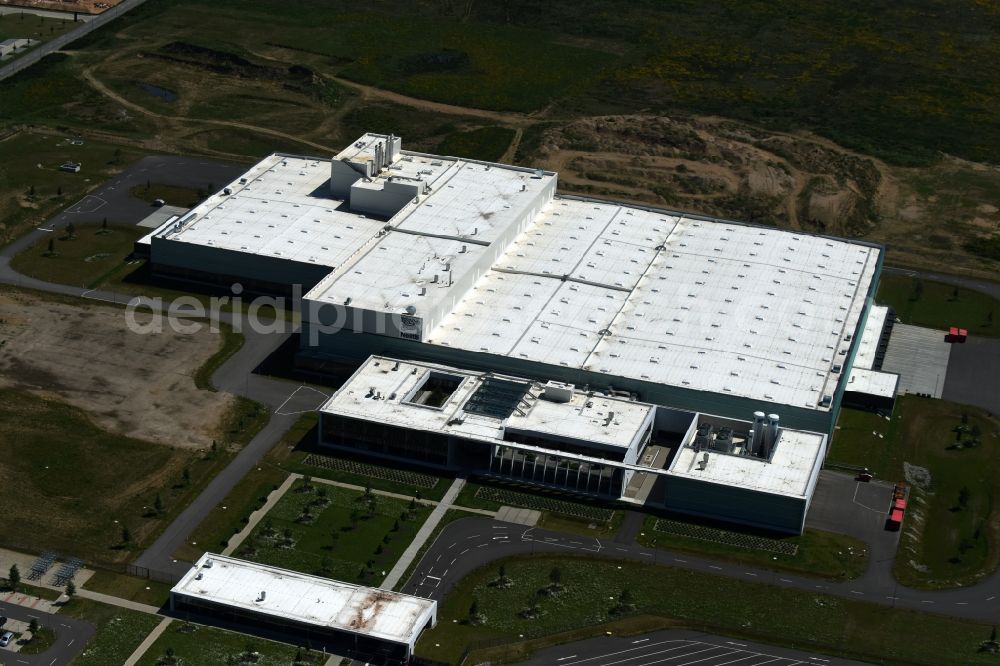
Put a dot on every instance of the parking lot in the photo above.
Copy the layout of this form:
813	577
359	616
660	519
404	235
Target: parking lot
677	648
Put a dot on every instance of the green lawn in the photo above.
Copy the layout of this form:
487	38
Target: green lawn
41	641
31	26
81	260
592	588
946	541
57	479
308	459
491	494
119	631
143	591
30	195
171	195
450	516
197	645
938	305
233	512
485	143
366	543
816	553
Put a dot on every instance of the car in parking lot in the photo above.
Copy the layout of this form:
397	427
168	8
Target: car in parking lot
7	637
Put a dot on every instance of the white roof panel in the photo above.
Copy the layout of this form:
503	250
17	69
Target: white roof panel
789	472
307	599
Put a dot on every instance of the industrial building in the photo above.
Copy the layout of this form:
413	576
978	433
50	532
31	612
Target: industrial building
484	269
612	447
364	621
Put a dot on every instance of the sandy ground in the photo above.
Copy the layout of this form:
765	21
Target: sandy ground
136	385
83	6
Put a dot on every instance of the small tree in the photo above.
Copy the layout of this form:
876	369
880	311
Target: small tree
59	191
126	535
33	626
307	483
355	517
395	526
71	230
14	577
70	589
104	227
158	504
368	489
186	476
963	498
555	577
918	290
954	294
52	247
31	191
321	493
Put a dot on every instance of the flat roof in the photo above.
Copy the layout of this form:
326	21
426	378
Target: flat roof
873	382
314	600
789	472
868	345
283	210
381	391
708	305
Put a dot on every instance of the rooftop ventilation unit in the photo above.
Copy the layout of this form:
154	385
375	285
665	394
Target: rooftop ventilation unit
558	391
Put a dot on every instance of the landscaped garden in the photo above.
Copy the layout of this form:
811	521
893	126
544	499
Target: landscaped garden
334	532
813	552
185	644
536	596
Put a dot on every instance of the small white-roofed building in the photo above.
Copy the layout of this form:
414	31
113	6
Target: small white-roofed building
367	621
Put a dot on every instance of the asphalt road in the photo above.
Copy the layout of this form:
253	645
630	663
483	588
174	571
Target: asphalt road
470	543
284	400
51	46
676	648
71	637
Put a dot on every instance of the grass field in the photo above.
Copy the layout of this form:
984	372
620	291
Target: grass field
84	259
197	645
366	542
171	195
485	143
938	305
717	604
119	631
31	26
824	554
32	189
58	481
309	459
950	535
140	590
232	513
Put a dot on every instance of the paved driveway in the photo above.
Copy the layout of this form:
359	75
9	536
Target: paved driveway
71	637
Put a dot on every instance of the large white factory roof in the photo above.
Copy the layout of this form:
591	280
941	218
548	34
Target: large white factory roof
485	258
714	306
383	390
868	345
282	210
794	462
298	597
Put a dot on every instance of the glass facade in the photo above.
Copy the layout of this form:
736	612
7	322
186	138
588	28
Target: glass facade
383	439
552	470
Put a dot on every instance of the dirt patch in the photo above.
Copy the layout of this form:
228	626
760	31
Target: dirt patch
140	386
83	6
717	167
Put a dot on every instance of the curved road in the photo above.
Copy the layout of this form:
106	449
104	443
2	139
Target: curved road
470	543
71	636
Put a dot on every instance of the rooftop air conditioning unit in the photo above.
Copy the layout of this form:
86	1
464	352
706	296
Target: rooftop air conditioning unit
558	392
